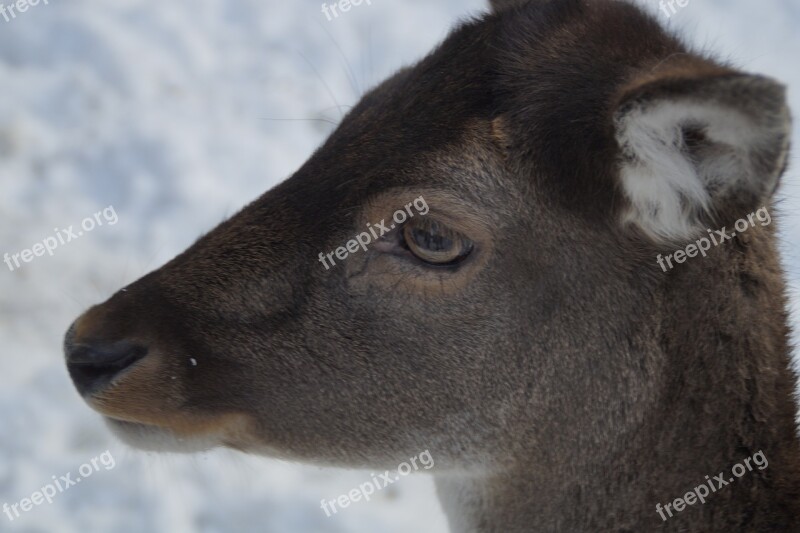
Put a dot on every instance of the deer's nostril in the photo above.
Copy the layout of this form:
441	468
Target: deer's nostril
92	365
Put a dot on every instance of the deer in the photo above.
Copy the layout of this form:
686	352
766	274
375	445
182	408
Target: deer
521	330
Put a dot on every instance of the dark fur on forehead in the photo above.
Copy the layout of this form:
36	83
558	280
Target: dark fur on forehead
560	65
518	64
420	109
499	5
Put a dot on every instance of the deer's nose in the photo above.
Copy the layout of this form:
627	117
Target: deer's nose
93	365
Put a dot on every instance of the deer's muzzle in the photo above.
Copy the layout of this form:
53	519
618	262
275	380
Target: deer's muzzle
93	364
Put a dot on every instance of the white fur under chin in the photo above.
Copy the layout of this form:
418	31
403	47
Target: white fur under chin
156	439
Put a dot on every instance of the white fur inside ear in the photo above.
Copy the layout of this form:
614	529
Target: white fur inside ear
667	186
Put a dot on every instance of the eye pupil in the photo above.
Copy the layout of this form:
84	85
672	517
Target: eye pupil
430	238
435	243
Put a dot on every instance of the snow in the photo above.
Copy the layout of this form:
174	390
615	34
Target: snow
177	114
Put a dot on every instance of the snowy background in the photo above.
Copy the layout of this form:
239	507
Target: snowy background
178	113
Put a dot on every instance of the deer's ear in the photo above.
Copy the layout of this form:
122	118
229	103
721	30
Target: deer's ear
694	151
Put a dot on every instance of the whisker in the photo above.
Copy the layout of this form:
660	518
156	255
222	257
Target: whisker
351	75
301	119
319	77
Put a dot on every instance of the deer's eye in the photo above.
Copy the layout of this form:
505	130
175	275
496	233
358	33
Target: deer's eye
435	243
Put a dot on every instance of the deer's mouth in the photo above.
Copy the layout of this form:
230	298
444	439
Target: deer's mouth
182	432
147	408
139	387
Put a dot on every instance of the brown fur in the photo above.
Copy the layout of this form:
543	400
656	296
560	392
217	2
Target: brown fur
560	379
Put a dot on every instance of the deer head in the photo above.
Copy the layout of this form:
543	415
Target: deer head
515	322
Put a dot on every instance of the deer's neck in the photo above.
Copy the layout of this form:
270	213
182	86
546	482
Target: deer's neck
727	395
